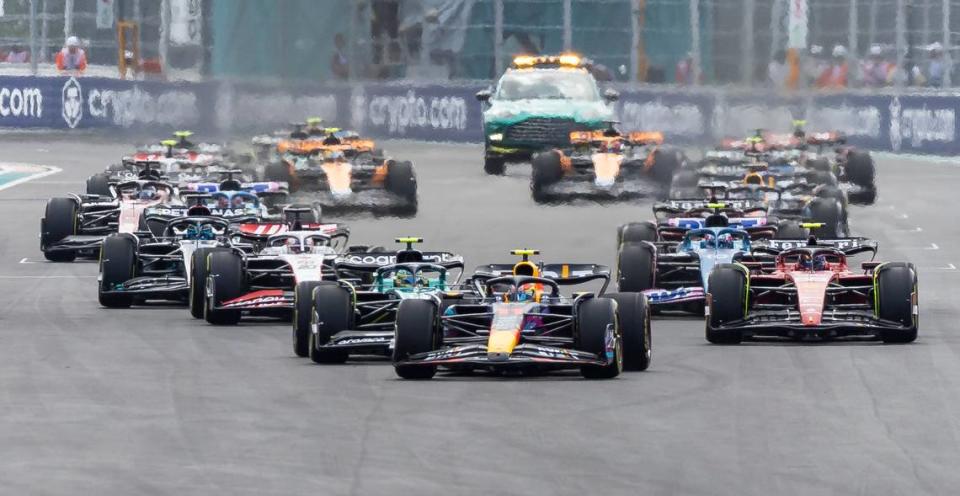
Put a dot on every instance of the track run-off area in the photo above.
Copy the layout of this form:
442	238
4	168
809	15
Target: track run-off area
150	401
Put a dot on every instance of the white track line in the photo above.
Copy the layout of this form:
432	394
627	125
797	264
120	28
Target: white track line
49	172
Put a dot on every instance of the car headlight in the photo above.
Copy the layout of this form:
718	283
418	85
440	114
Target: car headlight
496	137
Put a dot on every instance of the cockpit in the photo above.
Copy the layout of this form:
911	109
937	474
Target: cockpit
145	191
294	243
811	259
233	200
725	239
411	277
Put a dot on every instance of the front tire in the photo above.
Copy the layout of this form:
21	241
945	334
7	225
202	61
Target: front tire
59	221
402	181
226	281
634	315
727	294
636	267
331	311
636	231
594	318
546	170
495	166
416	332
118	264
99	184
896	284
198	280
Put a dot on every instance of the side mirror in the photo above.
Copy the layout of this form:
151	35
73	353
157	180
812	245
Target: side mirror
611	95
484	95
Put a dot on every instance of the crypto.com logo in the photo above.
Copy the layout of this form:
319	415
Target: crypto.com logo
72	102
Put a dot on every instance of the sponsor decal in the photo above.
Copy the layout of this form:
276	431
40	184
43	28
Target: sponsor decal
400	113
372	259
127	107
21	102
921	125
371	340
72	104
849	120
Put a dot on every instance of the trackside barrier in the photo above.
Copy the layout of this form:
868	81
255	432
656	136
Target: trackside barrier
901	122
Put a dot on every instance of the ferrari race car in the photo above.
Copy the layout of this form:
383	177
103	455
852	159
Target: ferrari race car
270	280
537	104
344	172
356	314
134	268
806	289
519	321
76	224
605	164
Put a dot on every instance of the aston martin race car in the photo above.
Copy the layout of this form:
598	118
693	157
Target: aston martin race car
605	165
807	289
356	314
137	269
76	224
536	105
519	321
268	282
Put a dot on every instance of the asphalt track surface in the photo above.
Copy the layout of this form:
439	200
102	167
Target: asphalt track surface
150	401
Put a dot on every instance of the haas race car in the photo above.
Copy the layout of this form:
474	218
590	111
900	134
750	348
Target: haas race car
806	289
518	321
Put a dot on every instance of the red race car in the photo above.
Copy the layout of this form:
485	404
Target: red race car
805	289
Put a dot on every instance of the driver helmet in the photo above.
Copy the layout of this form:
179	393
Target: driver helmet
148	193
223	201
293	245
404	279
204	232
818	262
237	201
725	241
528	293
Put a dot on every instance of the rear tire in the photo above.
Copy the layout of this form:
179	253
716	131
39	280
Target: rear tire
685	178
226	279
279	172
495	166
546	169
636	231
820	164
789	229
416	332
118	264
593	318
402	181
636	267
99	184
727	293
896	283
59	221
860	169
331	310
665	165
828	212
634	315
198	280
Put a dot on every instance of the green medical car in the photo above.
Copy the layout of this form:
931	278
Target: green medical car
538	101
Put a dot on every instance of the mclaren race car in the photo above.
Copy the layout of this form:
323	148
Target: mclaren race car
806	289
356	314
605	165
519	321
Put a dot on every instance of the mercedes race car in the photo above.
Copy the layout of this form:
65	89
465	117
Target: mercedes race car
807	289
605	165
356	315
76	224
137	269
519	321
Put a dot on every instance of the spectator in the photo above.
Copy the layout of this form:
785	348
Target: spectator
339	63
777	71
811	66
684	73
936	66
835	74
72	59
18	55
876	71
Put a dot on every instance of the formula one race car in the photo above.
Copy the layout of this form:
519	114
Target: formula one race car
344	171
77	224
537	103
136	268
605	164
357	314
805	289
519	321
270	281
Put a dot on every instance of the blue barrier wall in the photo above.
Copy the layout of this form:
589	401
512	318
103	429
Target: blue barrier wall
908	122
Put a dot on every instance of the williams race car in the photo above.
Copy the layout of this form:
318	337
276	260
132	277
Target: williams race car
805	289
518	321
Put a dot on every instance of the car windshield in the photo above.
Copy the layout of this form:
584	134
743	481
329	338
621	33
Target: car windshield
561	84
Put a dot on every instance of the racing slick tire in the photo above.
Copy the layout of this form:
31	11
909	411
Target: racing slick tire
819	164
632	232
593	319
685	178
666	163
225	279
546	169
278	172
827	211
823	178
895	286
860	169
329	307
198	280
59	221
118	264
310	217
636	267
99	184
495	166
416	332
634	314
790	229
402	181
727	297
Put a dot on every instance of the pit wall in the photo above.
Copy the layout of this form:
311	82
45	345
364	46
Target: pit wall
924	123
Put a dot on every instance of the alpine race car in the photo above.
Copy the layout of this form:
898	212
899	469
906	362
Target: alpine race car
134	268
806	289
605	165
519	321
357	314
536	105
77	224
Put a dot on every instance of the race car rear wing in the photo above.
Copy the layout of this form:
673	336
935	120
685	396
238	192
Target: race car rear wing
369	262
563	274
849	246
